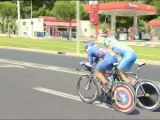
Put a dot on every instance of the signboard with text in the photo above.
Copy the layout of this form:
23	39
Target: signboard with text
94	14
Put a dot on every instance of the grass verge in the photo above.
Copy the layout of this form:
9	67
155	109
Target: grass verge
143	52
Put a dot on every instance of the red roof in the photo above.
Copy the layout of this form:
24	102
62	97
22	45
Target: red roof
124	8
53	21
154	23
64	24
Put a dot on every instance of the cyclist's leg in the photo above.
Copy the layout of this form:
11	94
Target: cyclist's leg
122	75
125	65
102	66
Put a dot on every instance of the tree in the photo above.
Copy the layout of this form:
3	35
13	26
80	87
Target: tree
66	10
39	8
8	12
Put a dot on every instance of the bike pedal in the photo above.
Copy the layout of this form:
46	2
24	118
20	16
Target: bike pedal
112	99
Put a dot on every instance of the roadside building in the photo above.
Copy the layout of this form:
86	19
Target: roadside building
47	26
155	30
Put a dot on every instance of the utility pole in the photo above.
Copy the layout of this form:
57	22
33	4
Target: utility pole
31	21
78	27
18	20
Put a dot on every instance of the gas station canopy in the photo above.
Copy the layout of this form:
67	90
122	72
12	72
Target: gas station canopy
114	9
124	9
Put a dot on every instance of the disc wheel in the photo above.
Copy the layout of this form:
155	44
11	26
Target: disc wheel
123	97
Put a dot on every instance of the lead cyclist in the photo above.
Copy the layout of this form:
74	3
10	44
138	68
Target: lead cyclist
127	54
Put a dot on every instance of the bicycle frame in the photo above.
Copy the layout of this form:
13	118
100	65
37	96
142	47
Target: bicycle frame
137	76
90	77
113	75
137	73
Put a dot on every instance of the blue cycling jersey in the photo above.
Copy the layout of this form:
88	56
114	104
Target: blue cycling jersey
128	56
96	53
122	50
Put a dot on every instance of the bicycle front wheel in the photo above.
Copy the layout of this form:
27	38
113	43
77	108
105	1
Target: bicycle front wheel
123	97
87	89
147	95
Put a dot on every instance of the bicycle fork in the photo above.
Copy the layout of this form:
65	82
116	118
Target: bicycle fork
144	93
89	82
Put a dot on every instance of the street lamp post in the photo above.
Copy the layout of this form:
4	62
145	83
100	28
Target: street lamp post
18	20
31	21
78	27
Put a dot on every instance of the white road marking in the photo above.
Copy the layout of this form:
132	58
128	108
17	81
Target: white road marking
69	96
42	66
12	66
46	67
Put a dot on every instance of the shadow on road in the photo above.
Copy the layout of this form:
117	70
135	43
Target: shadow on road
135	112
157	110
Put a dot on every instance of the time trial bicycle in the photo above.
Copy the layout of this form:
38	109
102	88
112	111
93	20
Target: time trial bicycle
122	95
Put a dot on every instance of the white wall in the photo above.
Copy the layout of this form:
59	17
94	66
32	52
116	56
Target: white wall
85	28
38	26
93	1
26	27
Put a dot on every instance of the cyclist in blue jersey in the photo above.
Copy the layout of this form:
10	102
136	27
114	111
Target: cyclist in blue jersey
127	54
95	53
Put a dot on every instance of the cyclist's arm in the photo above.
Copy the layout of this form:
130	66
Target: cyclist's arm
90	58
96	60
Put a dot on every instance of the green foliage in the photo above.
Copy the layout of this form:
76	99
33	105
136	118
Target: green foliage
8	9
8	12
26	12
83	14
39	8
35	14
158	18
65	10
42	11
142	25
124	21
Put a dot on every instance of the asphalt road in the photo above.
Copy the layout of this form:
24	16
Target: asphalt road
43	86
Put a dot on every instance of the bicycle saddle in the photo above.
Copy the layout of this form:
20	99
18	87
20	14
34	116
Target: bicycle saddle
115	64
140	64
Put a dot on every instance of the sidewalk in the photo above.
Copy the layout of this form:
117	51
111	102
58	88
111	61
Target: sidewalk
137	43
142	43
128	42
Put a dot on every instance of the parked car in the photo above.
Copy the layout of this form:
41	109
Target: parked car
65	34
100	35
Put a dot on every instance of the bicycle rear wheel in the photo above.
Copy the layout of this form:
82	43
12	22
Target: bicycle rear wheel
123	97
88	92
150	99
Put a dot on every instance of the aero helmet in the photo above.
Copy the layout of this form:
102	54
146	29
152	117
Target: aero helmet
89	45
110	40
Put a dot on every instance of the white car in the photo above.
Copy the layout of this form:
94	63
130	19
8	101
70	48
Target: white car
100	35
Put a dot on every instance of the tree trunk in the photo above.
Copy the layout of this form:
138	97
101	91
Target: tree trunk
70	30
8	28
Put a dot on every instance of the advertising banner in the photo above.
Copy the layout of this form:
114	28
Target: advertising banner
94	14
